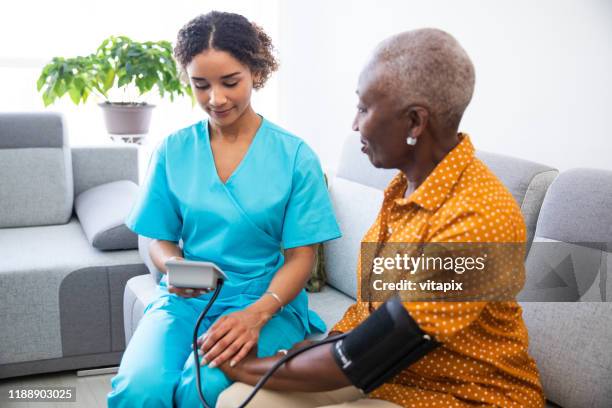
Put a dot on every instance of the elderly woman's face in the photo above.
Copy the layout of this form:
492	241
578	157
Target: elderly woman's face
379	122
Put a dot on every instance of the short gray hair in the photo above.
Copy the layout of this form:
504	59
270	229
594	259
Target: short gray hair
429	67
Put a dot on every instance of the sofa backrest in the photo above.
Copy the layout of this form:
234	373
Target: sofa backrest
526	180
96	165
568	292
357	192
36	185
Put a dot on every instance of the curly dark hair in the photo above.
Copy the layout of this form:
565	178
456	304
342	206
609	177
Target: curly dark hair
232	33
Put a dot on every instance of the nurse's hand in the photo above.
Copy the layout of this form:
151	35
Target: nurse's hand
231	337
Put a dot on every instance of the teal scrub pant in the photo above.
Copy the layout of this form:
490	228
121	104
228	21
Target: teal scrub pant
157	368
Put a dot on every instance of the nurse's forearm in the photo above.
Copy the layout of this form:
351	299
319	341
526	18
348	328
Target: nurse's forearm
160	251
289	280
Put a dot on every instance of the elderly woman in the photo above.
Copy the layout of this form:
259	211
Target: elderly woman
412	95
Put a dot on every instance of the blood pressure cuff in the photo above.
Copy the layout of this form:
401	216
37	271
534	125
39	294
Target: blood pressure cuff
388	341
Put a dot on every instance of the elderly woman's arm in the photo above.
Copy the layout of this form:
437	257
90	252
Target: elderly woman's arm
312	371
234	335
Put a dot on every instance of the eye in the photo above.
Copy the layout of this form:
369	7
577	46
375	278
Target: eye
361	109
231	84
200	85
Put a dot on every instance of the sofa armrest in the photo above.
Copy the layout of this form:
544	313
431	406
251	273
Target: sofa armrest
93	166
143	250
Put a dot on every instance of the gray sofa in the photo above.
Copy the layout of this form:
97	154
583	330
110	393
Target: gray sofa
571	342
61	297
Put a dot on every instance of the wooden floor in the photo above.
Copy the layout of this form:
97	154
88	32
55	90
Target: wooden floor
91	391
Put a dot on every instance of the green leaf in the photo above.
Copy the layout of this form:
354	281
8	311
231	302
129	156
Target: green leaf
59	88
75	95
78	84
109	80
133	52
48	98
124	80
41	81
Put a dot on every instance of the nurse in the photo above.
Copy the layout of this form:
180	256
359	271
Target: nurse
236	189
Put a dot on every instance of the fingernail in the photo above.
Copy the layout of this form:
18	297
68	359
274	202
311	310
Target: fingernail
212	365
200	352
232	363
203	362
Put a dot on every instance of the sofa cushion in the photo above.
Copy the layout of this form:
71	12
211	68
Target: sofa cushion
35	171
578	208
102	210
567	272
35	263
356	206
570	259
571	345
567	309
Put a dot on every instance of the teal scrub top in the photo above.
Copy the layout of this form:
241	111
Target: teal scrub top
276	197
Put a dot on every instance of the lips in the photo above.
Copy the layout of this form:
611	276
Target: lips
364	147
220	113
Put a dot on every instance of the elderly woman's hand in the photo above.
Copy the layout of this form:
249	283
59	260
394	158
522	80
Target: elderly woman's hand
231	337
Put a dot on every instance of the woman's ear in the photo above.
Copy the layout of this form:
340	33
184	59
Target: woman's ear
257	77
418	117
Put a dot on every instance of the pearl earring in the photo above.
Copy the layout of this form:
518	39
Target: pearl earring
411	140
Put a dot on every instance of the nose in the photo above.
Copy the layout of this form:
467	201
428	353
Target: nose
355	125
217	98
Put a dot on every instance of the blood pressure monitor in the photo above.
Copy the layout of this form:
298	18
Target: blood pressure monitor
194	274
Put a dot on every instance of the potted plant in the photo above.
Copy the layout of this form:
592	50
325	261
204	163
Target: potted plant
118	63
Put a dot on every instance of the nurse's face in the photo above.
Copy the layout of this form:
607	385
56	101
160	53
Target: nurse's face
379	121
221	84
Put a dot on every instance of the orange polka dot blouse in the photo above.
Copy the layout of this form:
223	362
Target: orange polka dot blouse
483	360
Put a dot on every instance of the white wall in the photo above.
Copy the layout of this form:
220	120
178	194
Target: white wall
543	69
543	89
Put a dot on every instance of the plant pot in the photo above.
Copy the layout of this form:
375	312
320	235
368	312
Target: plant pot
127	118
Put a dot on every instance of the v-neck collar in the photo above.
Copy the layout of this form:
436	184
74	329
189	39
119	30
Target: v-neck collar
244	159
